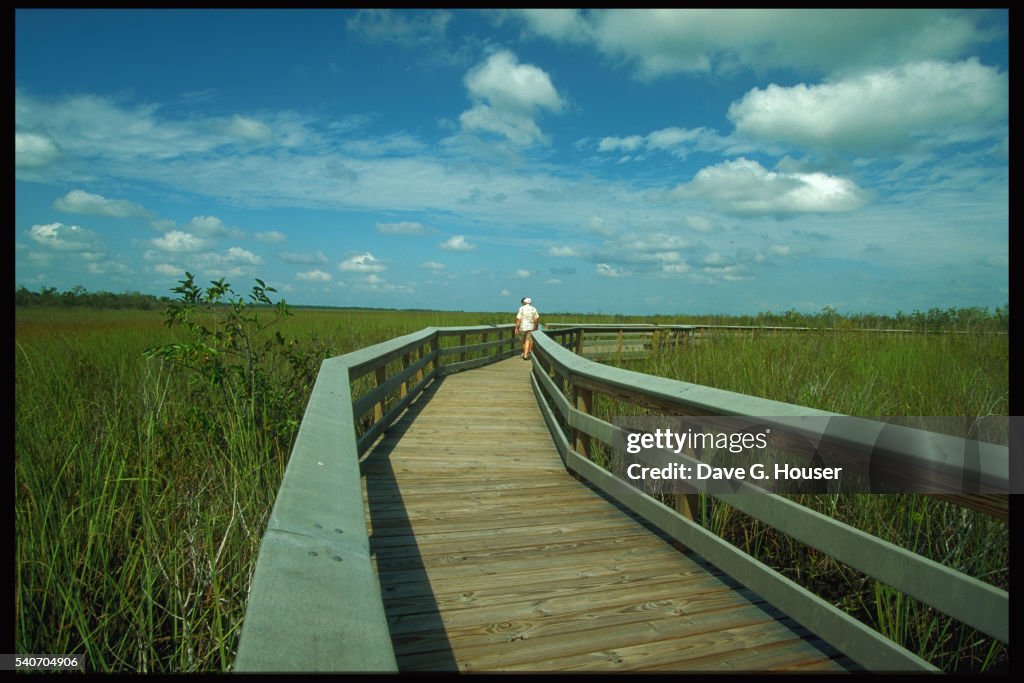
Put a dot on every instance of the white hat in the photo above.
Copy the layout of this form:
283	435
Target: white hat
527	300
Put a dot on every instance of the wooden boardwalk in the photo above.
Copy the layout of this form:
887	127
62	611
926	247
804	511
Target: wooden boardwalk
491	557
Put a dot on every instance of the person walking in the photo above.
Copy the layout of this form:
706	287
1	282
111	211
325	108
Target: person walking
527	320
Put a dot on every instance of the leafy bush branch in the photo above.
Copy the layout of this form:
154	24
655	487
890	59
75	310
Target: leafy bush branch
235	363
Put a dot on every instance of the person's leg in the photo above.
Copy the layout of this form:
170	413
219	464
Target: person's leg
528	345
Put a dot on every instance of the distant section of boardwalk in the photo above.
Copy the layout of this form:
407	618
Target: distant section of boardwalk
491	557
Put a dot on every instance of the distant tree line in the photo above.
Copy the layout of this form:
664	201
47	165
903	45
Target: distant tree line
969	319
79	296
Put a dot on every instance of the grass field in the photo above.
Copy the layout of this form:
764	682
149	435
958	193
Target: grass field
141	494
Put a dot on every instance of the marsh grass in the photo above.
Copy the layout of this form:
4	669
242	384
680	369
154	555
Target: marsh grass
138	520
138	517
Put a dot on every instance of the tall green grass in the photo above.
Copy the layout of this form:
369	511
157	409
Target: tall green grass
137	519
854	373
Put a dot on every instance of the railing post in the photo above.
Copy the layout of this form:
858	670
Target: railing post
688	504
618	350
584	403
483	340
406	362
579	342
462	342
381	375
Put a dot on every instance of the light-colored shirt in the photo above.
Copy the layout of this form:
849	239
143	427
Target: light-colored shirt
527	317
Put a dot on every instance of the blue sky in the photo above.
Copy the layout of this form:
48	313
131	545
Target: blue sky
614	161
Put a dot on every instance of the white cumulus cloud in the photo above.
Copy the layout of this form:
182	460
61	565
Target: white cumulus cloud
270	237
168	269
180	241
32	150
457	243
80	201
60	237
507	97
660	42
626	144
890	108
362	263
742	186
314	276
608	270
210	226
677	141
242	256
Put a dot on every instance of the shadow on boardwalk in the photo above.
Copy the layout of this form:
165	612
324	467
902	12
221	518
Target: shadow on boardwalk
404	583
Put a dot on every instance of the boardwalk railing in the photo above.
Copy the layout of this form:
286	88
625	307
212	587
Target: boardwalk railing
922	449
701	328
565	385
625	341
628	341
315	602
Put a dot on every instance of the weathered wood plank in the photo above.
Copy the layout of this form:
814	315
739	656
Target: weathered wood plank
457	566
472	589
558	602
684	653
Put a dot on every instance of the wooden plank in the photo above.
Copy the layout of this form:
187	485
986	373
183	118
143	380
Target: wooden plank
521	537
475	589
553	602
677	654
529	644
457	566
480	513
493	644
482	541
866	645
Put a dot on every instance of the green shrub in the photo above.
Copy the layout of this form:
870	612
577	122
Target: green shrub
236	364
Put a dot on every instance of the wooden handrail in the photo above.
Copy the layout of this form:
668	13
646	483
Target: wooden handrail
697	327
315	601
941	457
